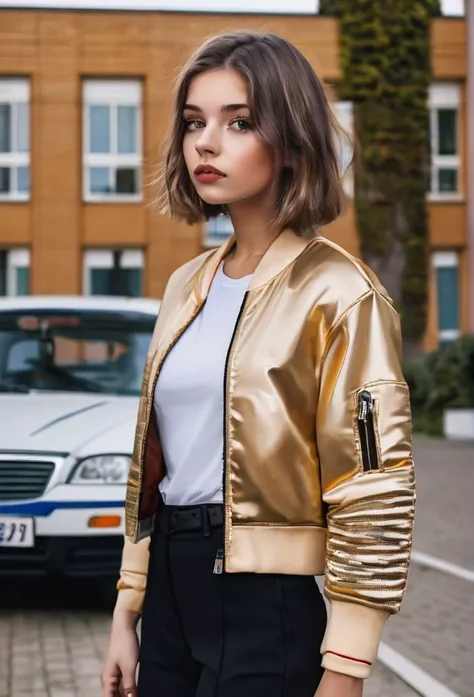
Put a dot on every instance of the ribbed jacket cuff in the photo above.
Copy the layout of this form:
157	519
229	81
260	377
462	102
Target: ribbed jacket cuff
133	574
352	638
130	599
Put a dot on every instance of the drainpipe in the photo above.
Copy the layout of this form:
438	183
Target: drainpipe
470	158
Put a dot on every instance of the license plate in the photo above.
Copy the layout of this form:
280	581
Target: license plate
16	532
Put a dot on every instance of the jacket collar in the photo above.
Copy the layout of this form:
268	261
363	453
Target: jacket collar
281	253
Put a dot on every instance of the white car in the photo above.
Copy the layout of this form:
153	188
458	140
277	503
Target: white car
70	378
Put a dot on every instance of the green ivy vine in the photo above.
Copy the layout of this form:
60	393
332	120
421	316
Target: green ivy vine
386	73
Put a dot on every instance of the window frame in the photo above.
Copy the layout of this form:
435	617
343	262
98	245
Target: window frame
447	259
16	91
444	95
112	94
104	259
16	258
212	236
344	112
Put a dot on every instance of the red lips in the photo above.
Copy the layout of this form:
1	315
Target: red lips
208	169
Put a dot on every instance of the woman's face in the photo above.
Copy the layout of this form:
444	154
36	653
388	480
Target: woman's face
219	134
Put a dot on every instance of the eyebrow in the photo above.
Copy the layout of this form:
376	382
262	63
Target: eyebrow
224	108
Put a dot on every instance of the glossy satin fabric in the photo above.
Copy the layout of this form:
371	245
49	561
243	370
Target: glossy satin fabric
316	328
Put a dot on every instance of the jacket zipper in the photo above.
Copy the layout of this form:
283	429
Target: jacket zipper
365	422
155	380
219	562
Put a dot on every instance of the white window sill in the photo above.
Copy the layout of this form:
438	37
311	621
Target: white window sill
449	334
113	198
14	198
445	197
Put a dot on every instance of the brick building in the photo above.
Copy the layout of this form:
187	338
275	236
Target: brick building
84	105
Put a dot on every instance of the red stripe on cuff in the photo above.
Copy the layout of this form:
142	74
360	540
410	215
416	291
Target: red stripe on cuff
350	658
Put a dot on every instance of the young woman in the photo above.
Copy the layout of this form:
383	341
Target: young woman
273	441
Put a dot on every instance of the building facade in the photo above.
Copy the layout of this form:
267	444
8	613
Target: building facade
84	107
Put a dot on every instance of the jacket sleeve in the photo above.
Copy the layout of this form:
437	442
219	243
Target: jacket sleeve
364	445
133	574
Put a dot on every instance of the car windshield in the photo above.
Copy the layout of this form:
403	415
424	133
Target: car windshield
74	351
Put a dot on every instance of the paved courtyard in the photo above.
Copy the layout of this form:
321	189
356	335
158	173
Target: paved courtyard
53	636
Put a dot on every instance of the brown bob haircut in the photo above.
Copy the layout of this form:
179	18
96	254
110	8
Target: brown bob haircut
289	111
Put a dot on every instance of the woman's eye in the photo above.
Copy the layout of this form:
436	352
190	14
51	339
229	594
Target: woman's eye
193	124
242	124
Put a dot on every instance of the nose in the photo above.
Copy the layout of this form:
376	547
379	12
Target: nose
208	141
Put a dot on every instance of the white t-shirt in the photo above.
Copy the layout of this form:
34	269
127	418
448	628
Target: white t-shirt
189	398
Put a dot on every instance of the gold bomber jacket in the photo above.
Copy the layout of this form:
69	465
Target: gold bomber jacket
318	466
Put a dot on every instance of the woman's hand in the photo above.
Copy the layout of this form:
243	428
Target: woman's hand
339	685
120	666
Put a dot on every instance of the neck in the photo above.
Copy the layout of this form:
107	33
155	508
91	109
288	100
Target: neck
253	230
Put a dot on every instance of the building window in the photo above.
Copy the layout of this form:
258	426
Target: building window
217	231
444	100
14	140
114	272
344	114
446	266
112	140
14	271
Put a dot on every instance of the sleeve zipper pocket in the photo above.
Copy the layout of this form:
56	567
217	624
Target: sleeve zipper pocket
366	428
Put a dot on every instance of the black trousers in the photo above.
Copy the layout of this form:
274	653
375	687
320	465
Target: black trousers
228	635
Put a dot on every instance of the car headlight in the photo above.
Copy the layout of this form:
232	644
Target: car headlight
102	469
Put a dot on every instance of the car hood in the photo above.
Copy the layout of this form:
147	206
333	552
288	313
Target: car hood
78	424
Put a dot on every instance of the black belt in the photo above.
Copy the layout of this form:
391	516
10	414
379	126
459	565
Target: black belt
176	519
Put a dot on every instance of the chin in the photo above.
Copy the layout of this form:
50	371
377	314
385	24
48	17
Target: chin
214	200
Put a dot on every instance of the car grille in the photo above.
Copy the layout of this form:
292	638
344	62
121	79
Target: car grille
23	480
